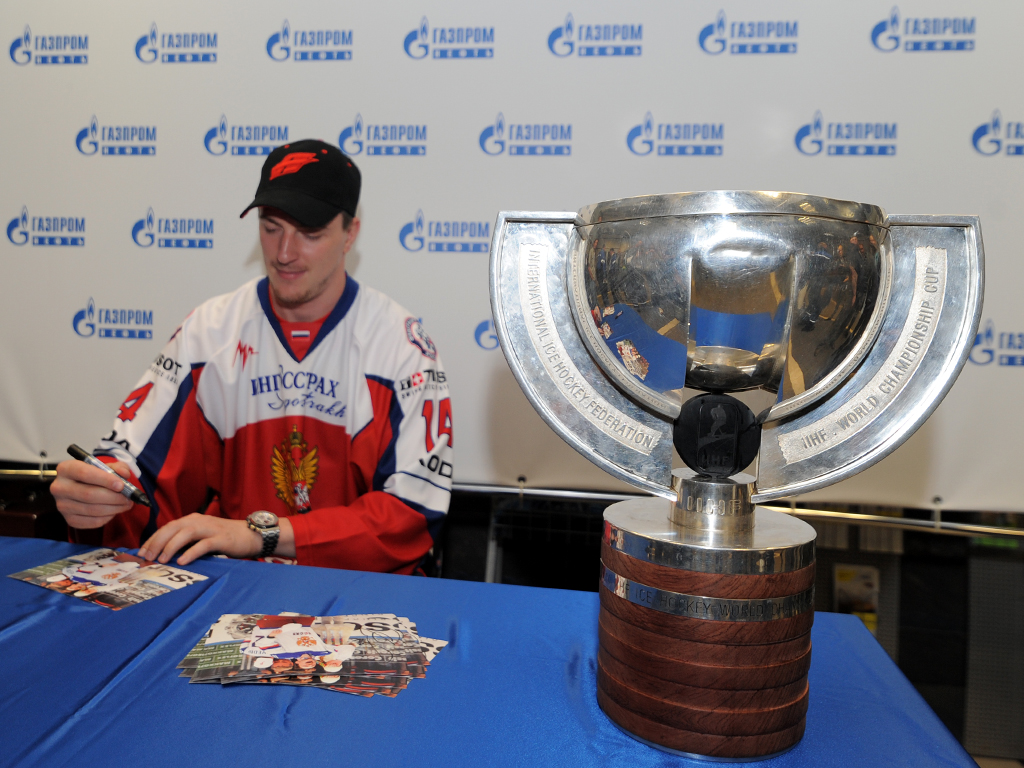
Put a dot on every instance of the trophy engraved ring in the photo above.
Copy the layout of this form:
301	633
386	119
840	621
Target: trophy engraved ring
632	325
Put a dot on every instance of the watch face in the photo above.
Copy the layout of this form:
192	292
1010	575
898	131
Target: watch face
263	519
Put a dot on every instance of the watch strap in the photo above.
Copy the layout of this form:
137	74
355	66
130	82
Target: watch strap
270	537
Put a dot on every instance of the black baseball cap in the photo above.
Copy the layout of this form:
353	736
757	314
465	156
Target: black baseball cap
310	180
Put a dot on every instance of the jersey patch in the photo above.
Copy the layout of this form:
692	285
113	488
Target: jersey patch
244	351
418	338
293	469
292	163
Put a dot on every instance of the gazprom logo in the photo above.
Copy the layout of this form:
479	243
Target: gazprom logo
313	44
177	47
850	139
924	34
492	138
458	42
445	235
133	140
545	139
216	139
596	39
885	35
385	139
743	37
46	230
109	323
1005	348
49	49
82	322
279	44
172	232
17	229
998	136
350	140
485	336
676	139
244	140
808	138
983	352
560	41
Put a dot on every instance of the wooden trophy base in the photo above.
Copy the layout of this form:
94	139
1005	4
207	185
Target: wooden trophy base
705	645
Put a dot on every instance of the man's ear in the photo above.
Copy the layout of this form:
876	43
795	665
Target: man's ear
353	233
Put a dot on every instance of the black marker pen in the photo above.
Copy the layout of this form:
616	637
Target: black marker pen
129	490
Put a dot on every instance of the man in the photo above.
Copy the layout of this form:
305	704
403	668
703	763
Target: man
303	415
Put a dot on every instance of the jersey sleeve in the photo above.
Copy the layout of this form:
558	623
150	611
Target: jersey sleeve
404	458
161	434
418	469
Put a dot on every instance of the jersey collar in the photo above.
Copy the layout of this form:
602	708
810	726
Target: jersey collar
337	314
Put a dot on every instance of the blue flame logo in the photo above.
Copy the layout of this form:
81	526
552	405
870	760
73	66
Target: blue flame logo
986	136
82	316
639	138
142	232
277	44
145	48
216	139
86	138
560	40
17	230
891	41
351	139
492	138
415	43
21	52
808	138
485	336
411	235
982	353
712	37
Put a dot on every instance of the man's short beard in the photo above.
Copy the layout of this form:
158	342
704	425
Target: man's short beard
308	296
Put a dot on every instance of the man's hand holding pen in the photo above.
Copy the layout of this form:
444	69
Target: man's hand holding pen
88	496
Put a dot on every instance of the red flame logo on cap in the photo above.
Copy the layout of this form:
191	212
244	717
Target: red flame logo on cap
292	162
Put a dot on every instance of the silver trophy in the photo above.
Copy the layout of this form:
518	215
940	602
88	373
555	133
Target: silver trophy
845	328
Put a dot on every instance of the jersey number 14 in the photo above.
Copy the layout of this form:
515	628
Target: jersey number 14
444	421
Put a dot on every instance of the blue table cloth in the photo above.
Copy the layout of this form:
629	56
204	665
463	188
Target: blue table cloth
84	685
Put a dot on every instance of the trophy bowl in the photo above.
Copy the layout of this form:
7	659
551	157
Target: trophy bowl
783	294
630	323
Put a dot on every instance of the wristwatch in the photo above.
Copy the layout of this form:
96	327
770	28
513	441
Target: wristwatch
265	524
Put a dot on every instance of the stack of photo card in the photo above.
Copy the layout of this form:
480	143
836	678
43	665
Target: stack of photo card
362	654
108	578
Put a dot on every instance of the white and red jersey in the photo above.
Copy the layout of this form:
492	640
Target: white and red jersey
353	443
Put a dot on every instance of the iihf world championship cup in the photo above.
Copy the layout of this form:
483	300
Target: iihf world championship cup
631	326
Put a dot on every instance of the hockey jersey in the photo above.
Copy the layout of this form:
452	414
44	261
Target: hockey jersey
353	443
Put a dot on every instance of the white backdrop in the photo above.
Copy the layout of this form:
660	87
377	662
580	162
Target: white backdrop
454	111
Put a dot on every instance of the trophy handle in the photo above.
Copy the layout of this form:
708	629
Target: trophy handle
925	338
535	327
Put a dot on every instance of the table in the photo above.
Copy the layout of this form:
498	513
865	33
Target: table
83	685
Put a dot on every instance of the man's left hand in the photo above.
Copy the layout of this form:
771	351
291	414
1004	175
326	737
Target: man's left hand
210	534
